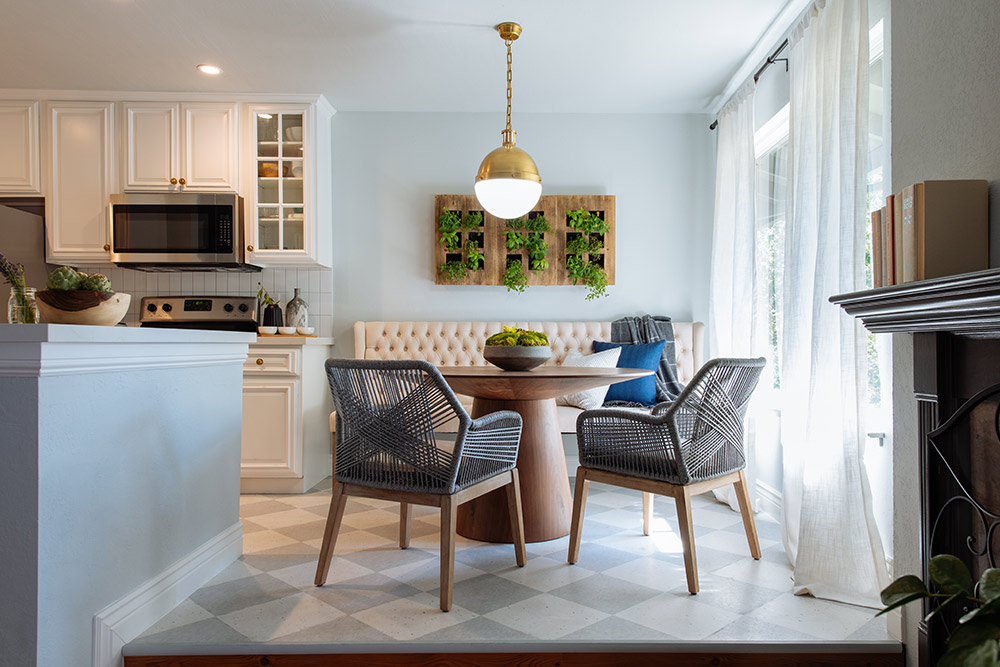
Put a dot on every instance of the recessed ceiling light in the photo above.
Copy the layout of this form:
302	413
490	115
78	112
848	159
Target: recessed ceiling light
265	116
209	69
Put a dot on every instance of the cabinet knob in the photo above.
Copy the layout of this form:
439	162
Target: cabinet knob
260	362
182	182
249	248
107	248
173	181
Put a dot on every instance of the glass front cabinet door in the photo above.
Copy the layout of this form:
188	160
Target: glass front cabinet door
288	202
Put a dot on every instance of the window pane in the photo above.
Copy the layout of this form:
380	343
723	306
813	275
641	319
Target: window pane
772	182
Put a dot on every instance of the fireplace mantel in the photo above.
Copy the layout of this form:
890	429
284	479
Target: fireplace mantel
955	322
966	304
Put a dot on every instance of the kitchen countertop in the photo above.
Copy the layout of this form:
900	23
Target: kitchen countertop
81	333
293	340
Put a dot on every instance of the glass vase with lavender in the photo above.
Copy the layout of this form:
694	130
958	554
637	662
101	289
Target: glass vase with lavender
21	307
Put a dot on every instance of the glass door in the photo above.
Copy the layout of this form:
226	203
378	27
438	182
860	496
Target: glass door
279	193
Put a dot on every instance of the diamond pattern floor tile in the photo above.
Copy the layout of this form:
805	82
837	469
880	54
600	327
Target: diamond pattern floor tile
625	586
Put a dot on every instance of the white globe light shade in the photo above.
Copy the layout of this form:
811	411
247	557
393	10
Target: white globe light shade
508	198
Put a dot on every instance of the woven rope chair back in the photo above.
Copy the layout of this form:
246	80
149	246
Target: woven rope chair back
388	413
710	417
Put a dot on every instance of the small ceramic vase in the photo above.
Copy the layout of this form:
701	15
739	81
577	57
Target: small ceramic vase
272	316
297	311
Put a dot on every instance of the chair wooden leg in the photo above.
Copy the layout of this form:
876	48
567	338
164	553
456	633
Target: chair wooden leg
687	538
516	520
749	525
338	502
404	525
449	520
647	511
579	505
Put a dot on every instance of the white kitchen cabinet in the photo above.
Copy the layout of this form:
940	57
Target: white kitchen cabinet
180	147
289	205
286	407
19	172
80	149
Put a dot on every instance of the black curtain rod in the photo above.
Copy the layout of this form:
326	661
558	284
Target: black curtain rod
771	59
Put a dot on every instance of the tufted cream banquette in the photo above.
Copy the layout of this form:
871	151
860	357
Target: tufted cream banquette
461	344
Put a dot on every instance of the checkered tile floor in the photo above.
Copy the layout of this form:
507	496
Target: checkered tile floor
625	587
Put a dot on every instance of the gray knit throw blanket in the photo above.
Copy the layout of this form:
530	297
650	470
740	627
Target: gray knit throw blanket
651	329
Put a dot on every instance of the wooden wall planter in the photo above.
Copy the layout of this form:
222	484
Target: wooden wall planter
493	235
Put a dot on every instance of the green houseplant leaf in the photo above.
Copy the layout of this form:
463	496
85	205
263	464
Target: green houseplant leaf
989	584
951	575
903	590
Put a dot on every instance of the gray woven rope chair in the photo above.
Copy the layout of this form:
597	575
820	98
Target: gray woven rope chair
388	413
678	449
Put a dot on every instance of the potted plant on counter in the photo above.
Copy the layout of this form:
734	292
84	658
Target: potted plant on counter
21	307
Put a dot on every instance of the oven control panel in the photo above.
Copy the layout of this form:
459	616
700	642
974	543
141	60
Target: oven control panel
198	309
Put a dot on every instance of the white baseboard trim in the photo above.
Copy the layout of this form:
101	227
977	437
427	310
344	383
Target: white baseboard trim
127	617
769	499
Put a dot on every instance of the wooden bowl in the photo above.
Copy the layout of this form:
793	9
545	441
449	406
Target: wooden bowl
517	357
82	306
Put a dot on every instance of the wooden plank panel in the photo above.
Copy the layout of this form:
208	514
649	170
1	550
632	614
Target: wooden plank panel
554	207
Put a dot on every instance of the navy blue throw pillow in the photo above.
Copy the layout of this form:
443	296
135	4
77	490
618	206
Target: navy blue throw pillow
645	355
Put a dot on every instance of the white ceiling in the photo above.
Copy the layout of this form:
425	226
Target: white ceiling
595	56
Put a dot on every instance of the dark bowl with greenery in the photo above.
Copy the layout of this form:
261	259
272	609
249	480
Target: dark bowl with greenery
516	349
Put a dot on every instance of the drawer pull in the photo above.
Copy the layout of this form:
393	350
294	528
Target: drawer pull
260	362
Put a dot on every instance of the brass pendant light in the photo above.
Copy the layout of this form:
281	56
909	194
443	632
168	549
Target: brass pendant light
508	184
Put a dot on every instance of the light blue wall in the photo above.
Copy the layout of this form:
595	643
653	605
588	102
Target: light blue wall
388	167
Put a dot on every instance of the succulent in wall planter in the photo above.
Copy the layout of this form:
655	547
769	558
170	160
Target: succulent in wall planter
589	230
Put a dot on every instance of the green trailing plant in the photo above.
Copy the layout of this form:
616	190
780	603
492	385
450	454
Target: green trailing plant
580	245
474	258
529	233
514	278
587	222
454	270
472	220
517	336
974	643
449	223
590	227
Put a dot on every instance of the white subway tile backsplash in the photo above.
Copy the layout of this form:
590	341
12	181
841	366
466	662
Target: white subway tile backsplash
314	288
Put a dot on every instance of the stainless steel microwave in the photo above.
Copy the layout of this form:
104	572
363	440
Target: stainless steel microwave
178	231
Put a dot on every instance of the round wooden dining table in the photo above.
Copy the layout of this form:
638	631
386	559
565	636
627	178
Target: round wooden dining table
541	463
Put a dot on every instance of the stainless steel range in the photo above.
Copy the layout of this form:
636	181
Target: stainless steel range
222	313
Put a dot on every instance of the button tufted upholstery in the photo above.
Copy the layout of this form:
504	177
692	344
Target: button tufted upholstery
461	344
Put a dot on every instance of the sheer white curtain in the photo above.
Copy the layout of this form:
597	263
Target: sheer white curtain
829	529
732	317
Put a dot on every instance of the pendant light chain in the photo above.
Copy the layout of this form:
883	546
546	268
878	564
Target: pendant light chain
509	62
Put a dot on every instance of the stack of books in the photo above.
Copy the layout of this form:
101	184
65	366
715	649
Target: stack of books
929	230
